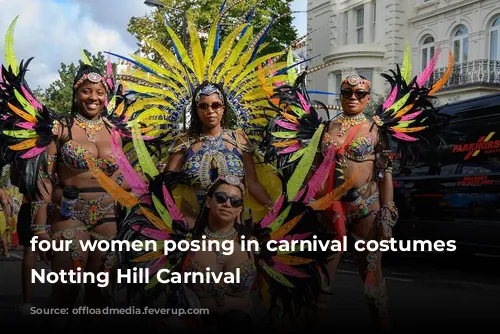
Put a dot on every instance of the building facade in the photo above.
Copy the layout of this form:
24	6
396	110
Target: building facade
370	36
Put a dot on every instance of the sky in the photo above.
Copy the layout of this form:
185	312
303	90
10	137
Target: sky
55	31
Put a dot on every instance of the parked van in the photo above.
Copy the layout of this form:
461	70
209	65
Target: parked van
453	193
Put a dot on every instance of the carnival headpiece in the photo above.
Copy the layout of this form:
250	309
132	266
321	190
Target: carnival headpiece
237	63
209	90
232	180
92	77
356	79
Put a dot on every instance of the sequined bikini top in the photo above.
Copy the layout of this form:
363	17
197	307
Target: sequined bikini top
358	150
212	160
73	155
248	274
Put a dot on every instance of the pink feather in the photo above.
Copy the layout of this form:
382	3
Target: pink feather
33	152
26	125
320	176
5	116
287	125
410	116
109	71
157	265
299	236
290	149
271	216
152	233
390	100
429	69
304	103
402	136
139	186
31	99
171	207
288	270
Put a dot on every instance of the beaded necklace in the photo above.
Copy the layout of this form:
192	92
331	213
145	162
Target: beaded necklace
229	235
91	127
346	122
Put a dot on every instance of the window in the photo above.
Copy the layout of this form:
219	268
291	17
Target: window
338	84
360	20
346	27
367	73
427	51
461	45
495	40
374	19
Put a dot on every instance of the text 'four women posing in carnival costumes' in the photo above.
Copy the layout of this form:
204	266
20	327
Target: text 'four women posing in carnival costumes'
118	166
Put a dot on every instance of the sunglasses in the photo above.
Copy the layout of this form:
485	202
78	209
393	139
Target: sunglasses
216	106
222	198
347	93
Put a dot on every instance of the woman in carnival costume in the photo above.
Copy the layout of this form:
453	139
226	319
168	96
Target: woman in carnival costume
229	76
356	150
53	153
226	77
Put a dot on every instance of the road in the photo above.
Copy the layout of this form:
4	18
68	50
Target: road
425	291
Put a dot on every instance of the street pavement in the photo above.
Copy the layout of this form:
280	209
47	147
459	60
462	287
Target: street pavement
426	292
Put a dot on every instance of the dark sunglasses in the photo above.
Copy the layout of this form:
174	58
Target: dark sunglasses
347	93
216	106
221	198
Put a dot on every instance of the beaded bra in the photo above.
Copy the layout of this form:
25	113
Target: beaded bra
211	161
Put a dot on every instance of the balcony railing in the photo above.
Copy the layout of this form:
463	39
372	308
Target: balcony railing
476	72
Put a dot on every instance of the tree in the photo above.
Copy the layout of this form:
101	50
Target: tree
202	14
59	95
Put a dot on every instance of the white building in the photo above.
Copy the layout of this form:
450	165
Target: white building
369	36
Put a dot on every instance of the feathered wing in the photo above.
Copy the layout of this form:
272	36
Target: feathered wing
236	62
26	125
294	275
293	137
407	115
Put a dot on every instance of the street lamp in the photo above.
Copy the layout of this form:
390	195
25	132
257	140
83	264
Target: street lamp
158	4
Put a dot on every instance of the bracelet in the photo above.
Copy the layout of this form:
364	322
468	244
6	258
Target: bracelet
388	214
39	228
270	205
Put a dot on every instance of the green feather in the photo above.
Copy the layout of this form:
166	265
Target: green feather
304	165
400	103
165	216
85	59
26	105
285	134
277	276
297	154
406	68
20	133
280	219
10	54
143	155
292	73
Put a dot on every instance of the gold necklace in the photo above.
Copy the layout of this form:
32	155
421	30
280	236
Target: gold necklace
347	122
91	127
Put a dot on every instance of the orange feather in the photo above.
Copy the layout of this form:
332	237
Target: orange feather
327	200
286	143
404	110
408	130
28	143
148	256
292	260
24	115
286	228
441	82
290	118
